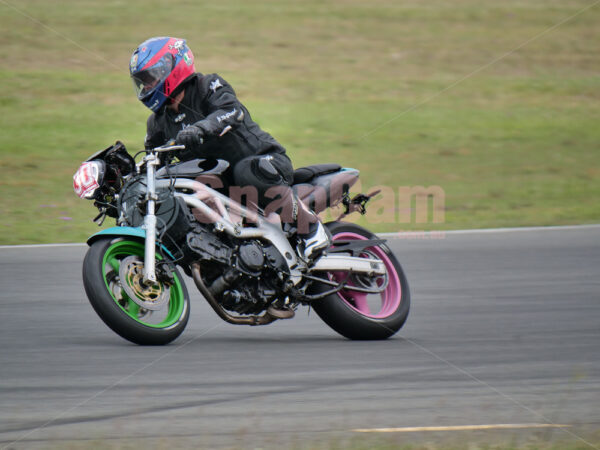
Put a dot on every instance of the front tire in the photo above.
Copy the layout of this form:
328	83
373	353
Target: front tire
361	316
109	260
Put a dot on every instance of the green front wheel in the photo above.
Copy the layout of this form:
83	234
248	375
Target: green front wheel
153	314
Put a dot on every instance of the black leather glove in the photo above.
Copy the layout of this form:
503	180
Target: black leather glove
191	137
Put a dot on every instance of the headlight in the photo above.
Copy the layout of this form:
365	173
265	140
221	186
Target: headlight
88	178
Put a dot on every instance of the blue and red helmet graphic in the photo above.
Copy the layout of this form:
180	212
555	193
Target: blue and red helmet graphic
157	67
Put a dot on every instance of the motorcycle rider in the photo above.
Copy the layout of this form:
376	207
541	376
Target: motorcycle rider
203	113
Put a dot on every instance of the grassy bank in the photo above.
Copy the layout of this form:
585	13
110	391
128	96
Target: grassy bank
351	442
363	84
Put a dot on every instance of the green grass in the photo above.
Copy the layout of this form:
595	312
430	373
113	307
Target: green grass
515	144
349	442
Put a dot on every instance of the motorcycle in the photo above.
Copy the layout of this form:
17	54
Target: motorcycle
246	262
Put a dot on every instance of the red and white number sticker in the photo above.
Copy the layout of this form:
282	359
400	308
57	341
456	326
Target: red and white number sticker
85	180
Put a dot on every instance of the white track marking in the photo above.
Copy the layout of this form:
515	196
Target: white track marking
386	235
5	247
497	426
408	233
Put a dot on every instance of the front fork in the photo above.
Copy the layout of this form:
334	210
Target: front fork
151	161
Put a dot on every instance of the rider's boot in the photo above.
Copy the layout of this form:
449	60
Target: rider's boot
316	242
316	239
313	236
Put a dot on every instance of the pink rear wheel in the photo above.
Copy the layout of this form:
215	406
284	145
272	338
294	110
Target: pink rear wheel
360	315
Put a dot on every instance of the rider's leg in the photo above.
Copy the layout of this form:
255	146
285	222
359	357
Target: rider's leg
272	175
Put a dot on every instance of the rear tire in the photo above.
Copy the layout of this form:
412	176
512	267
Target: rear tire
116	308
355	315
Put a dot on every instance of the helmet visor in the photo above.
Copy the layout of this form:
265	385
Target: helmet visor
146	81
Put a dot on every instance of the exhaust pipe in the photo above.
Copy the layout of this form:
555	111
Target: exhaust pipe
225	280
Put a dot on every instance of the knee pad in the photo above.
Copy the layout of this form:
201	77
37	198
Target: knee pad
265	169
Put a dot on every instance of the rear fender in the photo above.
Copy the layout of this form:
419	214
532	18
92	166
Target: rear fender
135	232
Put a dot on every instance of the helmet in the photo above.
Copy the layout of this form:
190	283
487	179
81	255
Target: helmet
157	67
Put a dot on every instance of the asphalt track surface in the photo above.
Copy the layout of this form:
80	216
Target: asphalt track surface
504	329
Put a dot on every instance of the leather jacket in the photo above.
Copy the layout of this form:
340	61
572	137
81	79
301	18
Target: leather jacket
210	103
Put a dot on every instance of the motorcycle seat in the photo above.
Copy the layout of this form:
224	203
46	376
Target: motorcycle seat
306	174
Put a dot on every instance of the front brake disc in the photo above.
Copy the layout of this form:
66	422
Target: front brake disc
149	296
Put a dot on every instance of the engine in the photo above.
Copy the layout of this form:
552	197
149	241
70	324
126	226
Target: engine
245	276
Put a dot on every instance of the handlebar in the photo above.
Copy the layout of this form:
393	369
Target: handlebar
168	147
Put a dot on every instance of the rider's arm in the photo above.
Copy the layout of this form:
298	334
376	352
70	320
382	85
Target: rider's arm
155	137
223	109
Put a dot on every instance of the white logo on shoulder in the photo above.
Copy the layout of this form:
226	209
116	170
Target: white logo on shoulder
215	85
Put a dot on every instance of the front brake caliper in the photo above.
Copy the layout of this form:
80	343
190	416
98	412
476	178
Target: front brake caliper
164	273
